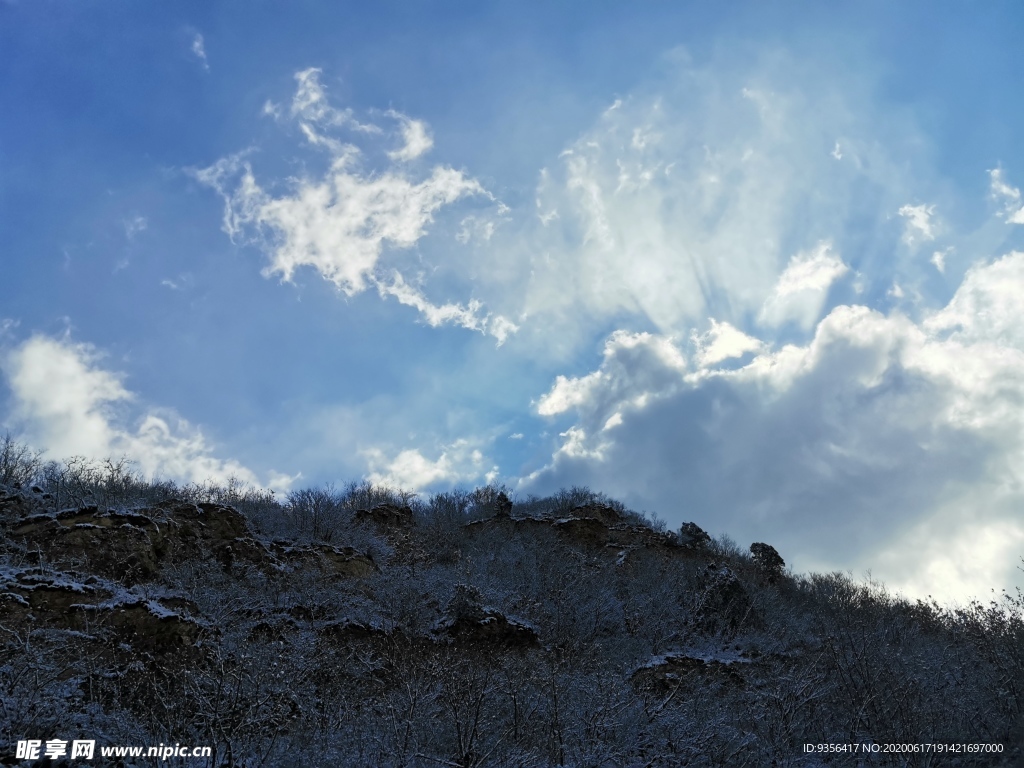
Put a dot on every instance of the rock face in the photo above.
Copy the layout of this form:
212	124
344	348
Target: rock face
37	598
723	599
602	512
388	517
467	619
338	561
692	536
133	547
93	562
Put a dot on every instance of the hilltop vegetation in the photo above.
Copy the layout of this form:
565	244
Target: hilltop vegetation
367	627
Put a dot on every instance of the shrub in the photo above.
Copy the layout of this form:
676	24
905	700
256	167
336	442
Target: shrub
19	464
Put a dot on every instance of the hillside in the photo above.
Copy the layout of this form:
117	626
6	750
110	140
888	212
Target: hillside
367	627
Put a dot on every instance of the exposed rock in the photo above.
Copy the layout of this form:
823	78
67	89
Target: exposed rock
723	597
132	546
125	547
585	530
339	561
346	561
147	625
692	536
16	504
35	598
467	619
387	516
603	512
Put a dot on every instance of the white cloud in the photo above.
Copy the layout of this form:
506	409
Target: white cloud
199	50
919	223
882	443
722	342
800	293
640	363
939	259
410	470
342	223
66	402
703	221
987	304
569	393
311	106
1013	212
468	316
415	135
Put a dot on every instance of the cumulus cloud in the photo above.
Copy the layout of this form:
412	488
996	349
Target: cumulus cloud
1013	212
342	223
801	290
409	469
882	443
64	400
646	362
722	342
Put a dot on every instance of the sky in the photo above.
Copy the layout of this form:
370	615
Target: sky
755	265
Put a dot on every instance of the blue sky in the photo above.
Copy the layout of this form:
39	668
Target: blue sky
755	265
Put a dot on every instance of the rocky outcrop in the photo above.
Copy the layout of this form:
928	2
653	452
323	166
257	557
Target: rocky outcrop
387	516
39	599
602	512
722	600
467	619
132	547
693	537
338	561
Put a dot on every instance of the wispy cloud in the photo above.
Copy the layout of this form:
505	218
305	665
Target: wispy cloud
690	197
938	259
920	225
801	290
134	226
417	140
342	224
468	316
199	50
1013	211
